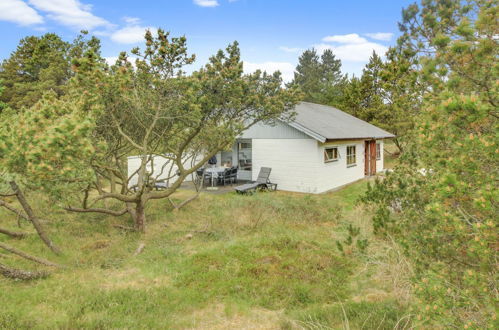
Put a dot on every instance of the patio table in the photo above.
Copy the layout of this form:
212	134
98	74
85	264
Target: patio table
215	172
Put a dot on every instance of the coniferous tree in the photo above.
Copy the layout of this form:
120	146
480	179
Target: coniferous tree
371	90
319	77
440	202
40	64
386	95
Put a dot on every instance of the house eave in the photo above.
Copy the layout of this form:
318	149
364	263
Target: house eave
361	138
307	131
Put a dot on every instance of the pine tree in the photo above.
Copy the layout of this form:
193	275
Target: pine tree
386	95
440	203
39	65
319	78
371	102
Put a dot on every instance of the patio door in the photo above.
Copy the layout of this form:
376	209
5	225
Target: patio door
244	159
370	157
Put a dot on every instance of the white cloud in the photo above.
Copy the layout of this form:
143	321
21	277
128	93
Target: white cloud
383	36
352	47
352	38
111	60
286	69
130	34
206	3
290	49
19	12
71	13
354	52
131	20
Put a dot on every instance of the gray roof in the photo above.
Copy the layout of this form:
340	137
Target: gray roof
327	123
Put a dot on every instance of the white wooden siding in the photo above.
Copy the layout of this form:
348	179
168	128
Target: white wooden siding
334	174
298	165
380	163
293	162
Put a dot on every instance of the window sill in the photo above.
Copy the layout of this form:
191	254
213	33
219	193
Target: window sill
331	161
351	165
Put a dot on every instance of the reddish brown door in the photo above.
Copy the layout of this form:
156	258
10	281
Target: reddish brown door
366	158
370	157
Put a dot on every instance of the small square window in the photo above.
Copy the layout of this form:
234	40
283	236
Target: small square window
330	154
378	151
351	156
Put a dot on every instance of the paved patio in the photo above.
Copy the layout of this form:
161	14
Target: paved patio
221	188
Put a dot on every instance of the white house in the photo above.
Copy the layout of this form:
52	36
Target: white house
321	149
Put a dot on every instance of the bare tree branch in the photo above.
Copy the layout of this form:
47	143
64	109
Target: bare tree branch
12	233
27	256
96	210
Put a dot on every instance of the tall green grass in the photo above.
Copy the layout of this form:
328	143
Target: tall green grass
270	254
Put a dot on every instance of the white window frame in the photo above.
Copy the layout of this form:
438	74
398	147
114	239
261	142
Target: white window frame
326	160
378	150
350	156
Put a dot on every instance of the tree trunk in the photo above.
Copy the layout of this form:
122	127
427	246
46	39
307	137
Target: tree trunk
31	216
140	217
21	274
137	212
398	145
112	181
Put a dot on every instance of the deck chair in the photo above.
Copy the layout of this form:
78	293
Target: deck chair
262	182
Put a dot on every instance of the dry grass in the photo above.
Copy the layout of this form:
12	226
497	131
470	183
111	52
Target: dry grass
222	317
265	261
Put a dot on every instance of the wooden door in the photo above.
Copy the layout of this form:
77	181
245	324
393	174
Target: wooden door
373	157
369	157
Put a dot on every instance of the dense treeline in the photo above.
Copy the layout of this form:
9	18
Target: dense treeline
388	94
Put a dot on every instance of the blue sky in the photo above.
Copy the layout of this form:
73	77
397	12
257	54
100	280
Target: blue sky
271	33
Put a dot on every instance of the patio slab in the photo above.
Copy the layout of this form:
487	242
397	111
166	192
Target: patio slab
221	188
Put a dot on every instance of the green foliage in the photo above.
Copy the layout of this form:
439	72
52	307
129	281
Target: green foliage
441	202
353	240
363	97
386	95
47	145
319	78
46	66
3	105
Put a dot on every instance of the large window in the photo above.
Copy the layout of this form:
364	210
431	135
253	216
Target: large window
244	155
226	158
330	154
378	151
351	156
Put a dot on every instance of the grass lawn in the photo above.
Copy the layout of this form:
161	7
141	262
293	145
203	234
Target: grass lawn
266	261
